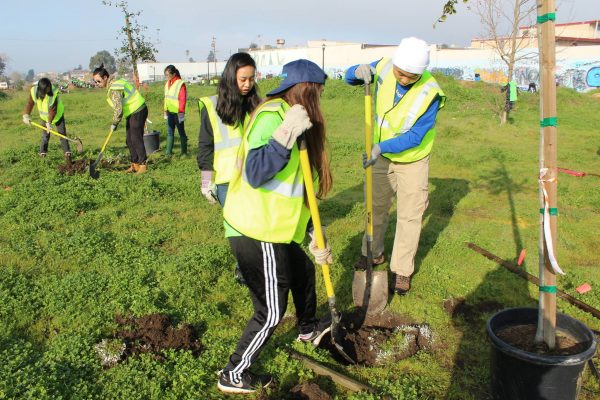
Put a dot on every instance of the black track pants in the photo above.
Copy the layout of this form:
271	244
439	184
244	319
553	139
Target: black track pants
271	270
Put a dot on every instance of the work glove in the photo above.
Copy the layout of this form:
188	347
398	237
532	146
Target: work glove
113	127
26	119
322	256
364	72
181	117
48	126
166	115
295	122
208	187
375	153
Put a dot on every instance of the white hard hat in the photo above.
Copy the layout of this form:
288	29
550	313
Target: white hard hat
412	55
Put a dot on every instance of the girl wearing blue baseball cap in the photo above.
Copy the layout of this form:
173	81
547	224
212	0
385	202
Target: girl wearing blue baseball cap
267	217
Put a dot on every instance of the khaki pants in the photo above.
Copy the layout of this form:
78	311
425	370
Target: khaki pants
409	183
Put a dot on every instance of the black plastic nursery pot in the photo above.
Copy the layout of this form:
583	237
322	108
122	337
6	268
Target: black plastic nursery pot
151	141
522	375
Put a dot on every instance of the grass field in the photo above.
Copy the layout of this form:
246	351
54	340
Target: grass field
75	252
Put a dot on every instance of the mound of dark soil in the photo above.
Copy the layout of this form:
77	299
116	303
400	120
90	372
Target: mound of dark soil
308	391
147	334
76	167
154	333
365	339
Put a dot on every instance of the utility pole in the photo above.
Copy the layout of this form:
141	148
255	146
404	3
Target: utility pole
323	59
214	49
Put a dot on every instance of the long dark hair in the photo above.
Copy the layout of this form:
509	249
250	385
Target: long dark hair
308	94
232	107
101	71
173	71
44	88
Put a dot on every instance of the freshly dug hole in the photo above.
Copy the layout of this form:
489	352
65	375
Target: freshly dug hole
382	338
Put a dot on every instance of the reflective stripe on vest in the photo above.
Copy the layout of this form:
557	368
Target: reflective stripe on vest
274	212
172	96
132	98
227	140
43	105
394	120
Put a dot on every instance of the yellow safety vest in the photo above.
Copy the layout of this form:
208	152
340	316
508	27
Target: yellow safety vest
172	96
132	98
274	212
392	121
43	105
227	141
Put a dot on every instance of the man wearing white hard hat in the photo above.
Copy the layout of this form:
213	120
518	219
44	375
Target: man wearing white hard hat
407	99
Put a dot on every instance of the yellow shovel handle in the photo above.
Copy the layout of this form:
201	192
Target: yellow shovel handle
106	141
49	130
314	213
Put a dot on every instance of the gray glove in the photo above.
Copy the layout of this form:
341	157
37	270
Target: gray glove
48	126
113	127
180	117
208	187
322	256
295	122
165	115
364	72
26	119
375	153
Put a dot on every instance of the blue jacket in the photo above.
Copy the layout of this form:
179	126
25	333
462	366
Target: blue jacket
415	135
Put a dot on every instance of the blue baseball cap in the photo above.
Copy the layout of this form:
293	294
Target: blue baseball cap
299	71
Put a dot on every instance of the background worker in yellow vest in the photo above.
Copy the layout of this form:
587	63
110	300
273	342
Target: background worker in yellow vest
175	101
407	99
267	217
50	107
222	120
127	102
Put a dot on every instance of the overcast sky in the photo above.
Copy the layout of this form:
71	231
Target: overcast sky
61	34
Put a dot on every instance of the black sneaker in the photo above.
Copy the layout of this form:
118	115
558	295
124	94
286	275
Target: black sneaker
246	383
238	275
322	328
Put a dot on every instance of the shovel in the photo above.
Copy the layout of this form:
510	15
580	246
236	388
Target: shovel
316	219
369	288
93	173
77	141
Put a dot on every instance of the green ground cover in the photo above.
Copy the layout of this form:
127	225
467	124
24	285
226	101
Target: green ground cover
75	252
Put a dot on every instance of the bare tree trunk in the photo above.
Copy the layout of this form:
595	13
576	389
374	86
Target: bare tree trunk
136	76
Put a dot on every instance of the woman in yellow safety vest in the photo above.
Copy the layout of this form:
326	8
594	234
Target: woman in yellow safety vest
267	218
127	102
50	107
175	101
222	120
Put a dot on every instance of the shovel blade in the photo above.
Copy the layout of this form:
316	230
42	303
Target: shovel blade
79	145
376	290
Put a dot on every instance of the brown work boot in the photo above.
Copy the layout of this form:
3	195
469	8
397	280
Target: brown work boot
68	159
141	168
402	284
132	168
361	264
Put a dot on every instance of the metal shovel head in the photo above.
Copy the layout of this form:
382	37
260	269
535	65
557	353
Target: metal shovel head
94	173
79	145
377	291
